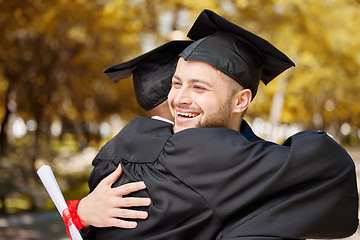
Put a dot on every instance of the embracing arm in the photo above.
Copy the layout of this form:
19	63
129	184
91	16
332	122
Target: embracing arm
105	203
318	197
103	206
304	188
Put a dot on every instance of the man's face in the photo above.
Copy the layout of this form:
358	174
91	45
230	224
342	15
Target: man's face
199	96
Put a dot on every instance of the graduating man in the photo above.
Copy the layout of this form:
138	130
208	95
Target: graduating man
208	180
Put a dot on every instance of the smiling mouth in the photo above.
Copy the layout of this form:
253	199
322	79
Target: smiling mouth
187	115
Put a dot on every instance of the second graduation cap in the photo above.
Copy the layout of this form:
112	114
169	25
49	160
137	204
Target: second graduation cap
152	73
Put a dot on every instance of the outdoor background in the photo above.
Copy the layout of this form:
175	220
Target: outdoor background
57	107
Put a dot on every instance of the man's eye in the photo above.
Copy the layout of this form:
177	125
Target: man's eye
199	88
176	84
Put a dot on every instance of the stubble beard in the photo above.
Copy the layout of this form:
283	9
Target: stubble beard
220	119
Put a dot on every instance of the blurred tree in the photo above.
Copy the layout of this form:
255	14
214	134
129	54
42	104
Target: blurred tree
322	92
52	55
52	58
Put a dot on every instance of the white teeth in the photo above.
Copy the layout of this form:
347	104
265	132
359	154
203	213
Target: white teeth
190	115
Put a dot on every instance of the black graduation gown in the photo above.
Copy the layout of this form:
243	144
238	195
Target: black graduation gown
214	183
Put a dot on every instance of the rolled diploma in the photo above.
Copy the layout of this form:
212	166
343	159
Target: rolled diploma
48	179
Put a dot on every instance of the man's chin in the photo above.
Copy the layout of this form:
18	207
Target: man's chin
180	127
177	129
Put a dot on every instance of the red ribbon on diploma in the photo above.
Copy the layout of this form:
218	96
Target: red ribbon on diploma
70	216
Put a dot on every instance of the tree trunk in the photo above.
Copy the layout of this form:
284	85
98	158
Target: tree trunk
3	135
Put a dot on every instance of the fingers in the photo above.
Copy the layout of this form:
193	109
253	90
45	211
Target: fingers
125	214
114	222
129	188
109	180
130	214
104	205
134	202
123	189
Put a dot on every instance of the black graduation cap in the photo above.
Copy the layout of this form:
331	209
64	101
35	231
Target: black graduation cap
238	53
152	73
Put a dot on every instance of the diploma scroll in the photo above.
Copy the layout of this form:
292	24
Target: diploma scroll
48	179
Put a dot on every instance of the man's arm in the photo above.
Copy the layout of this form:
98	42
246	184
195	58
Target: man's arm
104	205
307	182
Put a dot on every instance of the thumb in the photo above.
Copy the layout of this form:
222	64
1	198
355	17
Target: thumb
109	180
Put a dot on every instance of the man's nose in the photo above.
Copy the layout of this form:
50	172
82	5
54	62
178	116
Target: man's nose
183	96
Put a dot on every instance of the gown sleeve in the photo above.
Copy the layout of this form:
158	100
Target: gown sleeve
141	138
305	188
141	129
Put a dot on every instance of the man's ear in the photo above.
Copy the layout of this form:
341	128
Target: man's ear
242	100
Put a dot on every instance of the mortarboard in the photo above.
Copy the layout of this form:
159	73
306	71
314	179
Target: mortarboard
152	73
238	53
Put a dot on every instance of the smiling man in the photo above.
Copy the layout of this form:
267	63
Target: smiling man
210	89
202	96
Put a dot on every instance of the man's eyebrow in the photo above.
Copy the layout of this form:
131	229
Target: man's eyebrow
194	81
176	77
